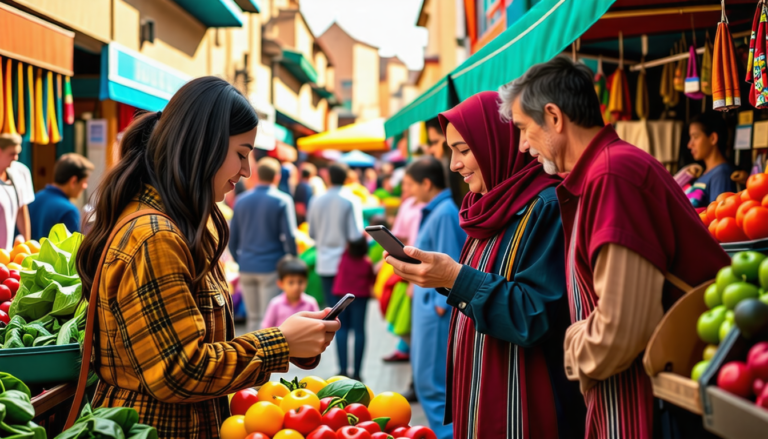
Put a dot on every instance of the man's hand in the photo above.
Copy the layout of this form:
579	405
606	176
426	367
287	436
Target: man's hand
437	270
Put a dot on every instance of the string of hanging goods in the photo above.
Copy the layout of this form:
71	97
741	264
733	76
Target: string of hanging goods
725	86
756	68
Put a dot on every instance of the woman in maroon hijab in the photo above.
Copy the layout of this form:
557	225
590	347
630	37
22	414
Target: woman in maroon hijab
505	350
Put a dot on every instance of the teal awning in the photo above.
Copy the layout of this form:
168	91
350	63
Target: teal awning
299	66
214	13
426	106
538	36
249	5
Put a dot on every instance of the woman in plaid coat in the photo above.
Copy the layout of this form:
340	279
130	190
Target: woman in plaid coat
164	339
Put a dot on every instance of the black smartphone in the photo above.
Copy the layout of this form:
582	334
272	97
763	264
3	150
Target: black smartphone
391	244
340	306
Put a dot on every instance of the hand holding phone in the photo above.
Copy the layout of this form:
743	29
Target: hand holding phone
340	306
390	243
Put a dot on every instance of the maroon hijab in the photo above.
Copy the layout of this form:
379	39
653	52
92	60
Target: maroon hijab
513	178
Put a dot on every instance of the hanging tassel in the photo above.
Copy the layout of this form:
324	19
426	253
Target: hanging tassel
59	105
53	123
69	106
29	97
9	123
41	134
21	123
2	95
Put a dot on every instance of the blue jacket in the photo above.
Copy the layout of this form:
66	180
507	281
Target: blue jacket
51	207
262	229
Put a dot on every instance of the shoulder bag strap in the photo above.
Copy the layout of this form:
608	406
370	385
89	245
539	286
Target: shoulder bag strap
89	323
679	283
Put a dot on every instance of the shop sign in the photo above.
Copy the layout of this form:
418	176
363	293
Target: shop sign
265	134
96	134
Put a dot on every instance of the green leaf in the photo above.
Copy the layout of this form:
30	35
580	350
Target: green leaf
79	430
350	390
67	299
141	431
10	382
125	417
58	233
48	340
68	333
51	254
18	408
26	264
106	428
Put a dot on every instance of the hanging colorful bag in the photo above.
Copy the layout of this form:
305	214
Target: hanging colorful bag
706	68
758	92
692	82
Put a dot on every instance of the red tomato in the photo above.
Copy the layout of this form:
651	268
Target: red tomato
742	210
727	208
4	273
713	228
728	231
381	435
304	419
757	186
756	223
734	377
350	432
243	400
13	284
14	274
420	432
4	317
360	411
325	402
712	211
744	196
5	293
5	306
704	219
335	418
323	432
765	201
399	430
371	426
723	196
256	435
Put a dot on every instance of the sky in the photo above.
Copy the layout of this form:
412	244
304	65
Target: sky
389	25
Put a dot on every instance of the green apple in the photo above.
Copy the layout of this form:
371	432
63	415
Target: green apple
709	352
725	328
764	274
746	265
764	299
738	291
699	369
711	297
708	325
726	277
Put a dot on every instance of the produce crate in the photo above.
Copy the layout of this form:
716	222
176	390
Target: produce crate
43	364
758	245
725	414
52	407
674	349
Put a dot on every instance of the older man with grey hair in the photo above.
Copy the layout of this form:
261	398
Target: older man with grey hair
628	230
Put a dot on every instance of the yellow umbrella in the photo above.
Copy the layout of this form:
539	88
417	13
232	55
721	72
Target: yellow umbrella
363	136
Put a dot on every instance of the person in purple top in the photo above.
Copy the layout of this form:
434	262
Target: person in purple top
292	280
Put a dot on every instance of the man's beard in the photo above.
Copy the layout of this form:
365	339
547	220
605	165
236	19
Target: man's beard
549	166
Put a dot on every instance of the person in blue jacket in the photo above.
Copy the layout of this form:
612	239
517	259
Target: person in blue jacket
439	232
709	138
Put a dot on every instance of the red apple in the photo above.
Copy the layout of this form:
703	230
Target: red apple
4	273
5	293
14	274
757	360
5	306
734	377
243	400
4	317
12	284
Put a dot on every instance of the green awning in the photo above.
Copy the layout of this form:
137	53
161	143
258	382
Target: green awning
426	106
299	66
538	36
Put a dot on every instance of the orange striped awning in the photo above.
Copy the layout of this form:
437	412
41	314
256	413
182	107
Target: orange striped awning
31	40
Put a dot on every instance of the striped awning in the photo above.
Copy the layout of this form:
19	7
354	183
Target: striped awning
31	40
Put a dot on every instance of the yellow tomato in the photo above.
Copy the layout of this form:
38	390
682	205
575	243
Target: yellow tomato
336	378
33	245
390	405
14	266
17	241
288	434
19	259
298	398
370	393
264	417
271	390
234	428
314	384
5	256
21	248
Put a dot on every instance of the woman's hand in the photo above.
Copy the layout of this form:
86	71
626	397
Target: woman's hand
437	270
307	334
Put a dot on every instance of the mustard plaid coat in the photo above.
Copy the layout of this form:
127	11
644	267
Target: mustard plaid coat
165	350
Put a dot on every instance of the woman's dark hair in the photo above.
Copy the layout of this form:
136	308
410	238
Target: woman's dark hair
427	168
358	248
178	152
712	122
290	265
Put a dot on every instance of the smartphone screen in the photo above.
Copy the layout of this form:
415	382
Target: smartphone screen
390	243
340	306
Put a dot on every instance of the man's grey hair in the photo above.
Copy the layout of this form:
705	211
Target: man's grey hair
562	82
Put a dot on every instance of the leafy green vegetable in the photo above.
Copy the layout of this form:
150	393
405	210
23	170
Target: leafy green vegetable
10	382
109	423
350	390
18	408
141	431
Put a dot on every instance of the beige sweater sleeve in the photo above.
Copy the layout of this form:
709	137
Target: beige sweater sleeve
617	331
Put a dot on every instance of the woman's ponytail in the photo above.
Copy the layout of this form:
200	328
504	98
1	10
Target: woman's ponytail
117	188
